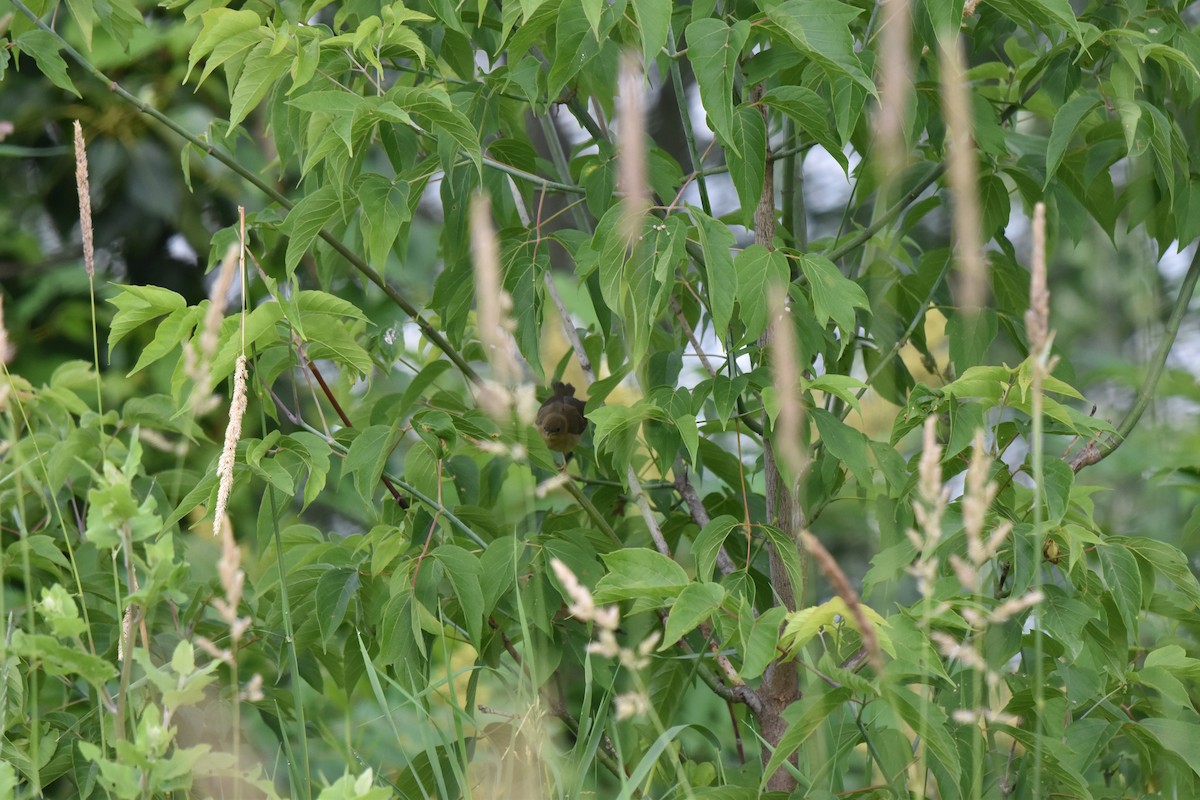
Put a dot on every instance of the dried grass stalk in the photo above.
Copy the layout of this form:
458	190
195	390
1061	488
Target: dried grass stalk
1037	318
7	349
218	299
895	86
631	148
492	303
786	374
841	584
199	355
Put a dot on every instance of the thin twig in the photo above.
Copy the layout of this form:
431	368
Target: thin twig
1094	453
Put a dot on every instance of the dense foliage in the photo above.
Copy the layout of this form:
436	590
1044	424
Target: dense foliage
450	207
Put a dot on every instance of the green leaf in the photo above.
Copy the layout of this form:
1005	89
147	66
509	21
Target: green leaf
721	279
430	768
575	44
690	434
844	443
806	623
1066	121
176	328
725	394
524	268
636	284
714	48
422	380
43	48
305	220
616	428
693	606
653	22
834	296
56	658
811	112
85	17
331	339
422	471
759	271
638	572
262	70
225	33
970	334
1057	480
709	542
986	382
137	305
316	452
759	649
499	569
788	552
308	57
1164	559
821	29
747	159
336	587
255	329
931	725
997	208
366	457
1064	617
649	759
330	103
465	573
843	387
1124	581
592	9
803	719
314	303
461	131
1178	736
385	211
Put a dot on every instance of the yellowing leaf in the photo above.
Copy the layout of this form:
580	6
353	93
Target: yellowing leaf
803	625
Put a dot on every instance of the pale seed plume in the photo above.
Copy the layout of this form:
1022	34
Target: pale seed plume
963	177
83	188
198	356
218	298
1037	318
630	704
933	496
928	508
1014	606
582	607
978	494
233	432
972	716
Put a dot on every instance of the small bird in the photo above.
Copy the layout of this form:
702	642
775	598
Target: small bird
560	420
